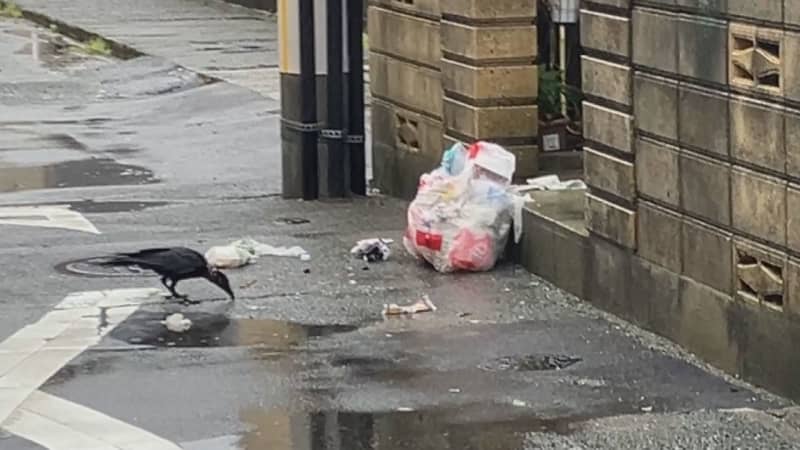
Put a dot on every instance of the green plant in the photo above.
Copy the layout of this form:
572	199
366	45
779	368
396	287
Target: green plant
551	89
549	92
10	9
98	46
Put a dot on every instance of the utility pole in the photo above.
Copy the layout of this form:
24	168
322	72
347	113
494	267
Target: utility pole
333	153
299	126
355	136
322	98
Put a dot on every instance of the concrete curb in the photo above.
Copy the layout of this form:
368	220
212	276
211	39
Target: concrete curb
118	49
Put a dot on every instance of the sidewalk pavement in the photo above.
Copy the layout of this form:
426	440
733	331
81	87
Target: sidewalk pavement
235	44
218	39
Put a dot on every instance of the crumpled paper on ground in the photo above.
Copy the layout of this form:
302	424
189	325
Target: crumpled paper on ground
422	305
247	251
372	250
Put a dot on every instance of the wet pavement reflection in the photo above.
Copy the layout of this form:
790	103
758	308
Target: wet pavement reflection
76	173
445	429
219	330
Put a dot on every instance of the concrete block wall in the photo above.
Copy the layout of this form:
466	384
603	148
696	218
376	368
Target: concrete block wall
443	71
692	122
608	121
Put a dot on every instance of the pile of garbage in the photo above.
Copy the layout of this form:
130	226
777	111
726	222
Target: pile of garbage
462	214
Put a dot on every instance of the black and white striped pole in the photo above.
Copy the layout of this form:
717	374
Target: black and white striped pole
322	98
355	103
299	127
334	158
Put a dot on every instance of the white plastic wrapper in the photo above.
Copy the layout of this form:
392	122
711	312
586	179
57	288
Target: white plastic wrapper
247	251
461	217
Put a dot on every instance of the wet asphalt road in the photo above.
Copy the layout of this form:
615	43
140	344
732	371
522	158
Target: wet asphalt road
154	155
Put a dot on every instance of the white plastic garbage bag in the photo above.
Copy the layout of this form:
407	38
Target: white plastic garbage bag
462	214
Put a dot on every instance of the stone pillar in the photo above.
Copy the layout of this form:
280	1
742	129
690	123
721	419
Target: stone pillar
405	81
489	75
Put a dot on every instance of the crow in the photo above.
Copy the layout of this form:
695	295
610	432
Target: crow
173	265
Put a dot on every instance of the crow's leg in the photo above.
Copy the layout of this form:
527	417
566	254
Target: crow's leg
185	298
164	282
170	287
175	292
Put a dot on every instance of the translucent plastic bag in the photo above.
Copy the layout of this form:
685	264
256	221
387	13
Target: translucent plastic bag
462	214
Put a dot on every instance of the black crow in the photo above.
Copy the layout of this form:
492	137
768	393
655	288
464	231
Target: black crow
173	265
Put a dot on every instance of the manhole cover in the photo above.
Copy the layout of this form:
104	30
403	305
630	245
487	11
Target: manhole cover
88	267
291	221
529	363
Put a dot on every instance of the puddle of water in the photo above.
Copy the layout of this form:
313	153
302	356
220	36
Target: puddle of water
377	369
218	330
77	173
98	364
445	429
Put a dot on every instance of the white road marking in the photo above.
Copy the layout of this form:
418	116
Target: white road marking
28	425
36	352
230	442
48	216
68	421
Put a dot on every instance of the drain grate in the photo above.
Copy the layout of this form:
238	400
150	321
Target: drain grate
529	363
88	267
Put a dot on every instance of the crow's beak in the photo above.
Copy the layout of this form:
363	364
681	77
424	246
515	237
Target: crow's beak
221	280
227	288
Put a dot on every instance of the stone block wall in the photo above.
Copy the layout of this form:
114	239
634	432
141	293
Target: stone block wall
406	83
443	71
692	122
608	121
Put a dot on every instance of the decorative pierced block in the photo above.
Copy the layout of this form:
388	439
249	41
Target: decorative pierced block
755	60
760	275
407	133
